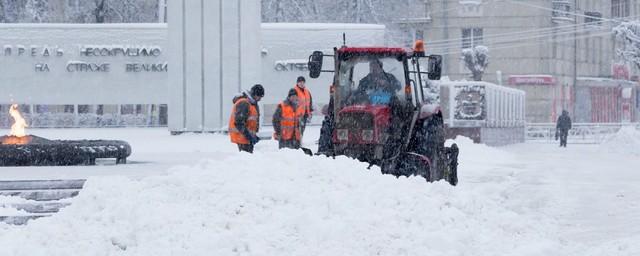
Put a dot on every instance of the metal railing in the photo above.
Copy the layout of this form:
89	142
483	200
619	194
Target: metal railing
71	120
588	133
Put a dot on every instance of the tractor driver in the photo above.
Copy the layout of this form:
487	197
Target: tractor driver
378	87
381	88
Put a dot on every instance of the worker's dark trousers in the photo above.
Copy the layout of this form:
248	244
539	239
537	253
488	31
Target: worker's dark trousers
245	148
292	144
563	138
303	124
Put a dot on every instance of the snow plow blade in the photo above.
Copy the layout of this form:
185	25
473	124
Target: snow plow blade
307	151
451	171
441	166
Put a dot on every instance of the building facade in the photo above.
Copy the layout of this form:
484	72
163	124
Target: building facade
562	39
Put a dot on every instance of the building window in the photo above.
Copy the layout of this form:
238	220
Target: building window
84	109
593	18
620	8
600	51
41	109
25	109
561	11
593	52
411	35
419	34
69	108
587	49
408	37
471	37
128	109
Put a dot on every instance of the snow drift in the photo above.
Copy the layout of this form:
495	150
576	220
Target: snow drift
625	141
285	203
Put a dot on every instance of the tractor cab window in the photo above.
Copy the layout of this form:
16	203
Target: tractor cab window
371	81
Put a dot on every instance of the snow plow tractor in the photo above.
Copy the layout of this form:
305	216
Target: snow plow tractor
378	112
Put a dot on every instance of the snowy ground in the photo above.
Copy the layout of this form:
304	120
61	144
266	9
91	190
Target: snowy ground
195	195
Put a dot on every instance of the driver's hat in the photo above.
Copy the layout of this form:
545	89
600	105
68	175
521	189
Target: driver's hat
376	61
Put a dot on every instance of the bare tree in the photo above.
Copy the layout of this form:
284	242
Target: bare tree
476	60
13	11
114	11
355	11
2	16
100	11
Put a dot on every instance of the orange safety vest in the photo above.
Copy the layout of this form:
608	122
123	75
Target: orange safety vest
304	101
289	123
252	123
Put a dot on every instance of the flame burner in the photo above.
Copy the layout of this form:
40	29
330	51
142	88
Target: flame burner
36	151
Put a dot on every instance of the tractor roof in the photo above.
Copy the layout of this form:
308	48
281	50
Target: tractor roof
372	51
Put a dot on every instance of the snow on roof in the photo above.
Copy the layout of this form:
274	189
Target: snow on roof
594	78
73	26
604	81
322	26
532	75
372	50
487	85
271	26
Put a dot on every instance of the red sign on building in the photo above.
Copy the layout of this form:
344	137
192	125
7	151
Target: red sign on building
620	71
532	80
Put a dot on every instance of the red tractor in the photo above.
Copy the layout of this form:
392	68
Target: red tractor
379	114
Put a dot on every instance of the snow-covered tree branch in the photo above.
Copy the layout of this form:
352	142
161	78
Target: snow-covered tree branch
78	11
350	11
38	10
476	59
628	33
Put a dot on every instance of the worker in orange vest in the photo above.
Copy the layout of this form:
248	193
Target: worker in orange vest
245	119
286	122
305	103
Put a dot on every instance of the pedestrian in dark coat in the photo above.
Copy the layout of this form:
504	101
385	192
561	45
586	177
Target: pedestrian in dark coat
562	128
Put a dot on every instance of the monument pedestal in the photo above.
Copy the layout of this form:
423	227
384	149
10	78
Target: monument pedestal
214	53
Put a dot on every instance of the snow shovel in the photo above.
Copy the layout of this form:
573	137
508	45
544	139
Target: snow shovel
307	151
265	136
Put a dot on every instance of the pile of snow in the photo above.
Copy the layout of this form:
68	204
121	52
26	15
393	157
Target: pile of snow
6	206
619	247
626	141
475	152
285	203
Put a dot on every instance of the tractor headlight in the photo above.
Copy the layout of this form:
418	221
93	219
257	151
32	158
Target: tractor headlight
367	135
343	134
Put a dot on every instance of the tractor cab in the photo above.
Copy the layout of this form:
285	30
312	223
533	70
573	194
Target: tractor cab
369	89
370	80
377	112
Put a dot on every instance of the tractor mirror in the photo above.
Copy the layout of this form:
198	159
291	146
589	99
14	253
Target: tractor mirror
435	67
315	64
